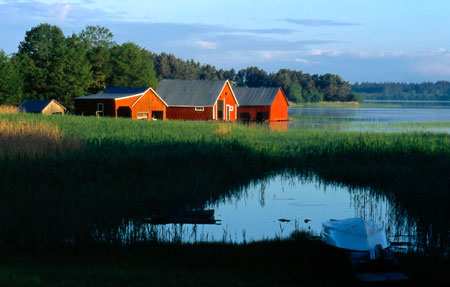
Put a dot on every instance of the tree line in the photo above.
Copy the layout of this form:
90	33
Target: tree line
50	65
299	87
427	91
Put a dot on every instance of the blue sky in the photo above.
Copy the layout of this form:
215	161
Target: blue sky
402	40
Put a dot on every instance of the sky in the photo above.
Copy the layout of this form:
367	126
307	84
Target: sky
361	40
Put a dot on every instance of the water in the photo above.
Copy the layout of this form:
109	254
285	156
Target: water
279	205
409	116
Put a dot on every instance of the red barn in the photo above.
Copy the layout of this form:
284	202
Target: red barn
135	103
261	104
198	100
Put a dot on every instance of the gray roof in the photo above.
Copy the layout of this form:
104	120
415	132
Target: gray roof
190	93
255	96
116	93
33	106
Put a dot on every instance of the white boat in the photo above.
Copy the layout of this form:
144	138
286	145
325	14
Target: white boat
355	234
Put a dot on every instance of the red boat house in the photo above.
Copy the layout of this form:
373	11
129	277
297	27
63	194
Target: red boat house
198	99
261	104
135	103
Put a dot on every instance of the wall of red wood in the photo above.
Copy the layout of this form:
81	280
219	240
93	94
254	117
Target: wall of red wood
252	111
189	113
143	105
278	111
227	95
279	108
156	104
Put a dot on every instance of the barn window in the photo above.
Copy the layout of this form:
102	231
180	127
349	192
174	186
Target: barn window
142	116
231	108
100	110
199	109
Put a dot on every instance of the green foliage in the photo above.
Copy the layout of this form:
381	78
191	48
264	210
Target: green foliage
167	66
50	65
131	67
439	91
53	66
92	193
252	77
98	42
42	61
11	82
96	37
355	97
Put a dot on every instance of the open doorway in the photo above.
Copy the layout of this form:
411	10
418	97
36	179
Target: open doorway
124	112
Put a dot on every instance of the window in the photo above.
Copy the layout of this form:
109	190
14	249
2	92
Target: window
231	108
142	116
199	109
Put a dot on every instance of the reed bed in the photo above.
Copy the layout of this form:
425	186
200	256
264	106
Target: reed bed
5	109
28	139
125	170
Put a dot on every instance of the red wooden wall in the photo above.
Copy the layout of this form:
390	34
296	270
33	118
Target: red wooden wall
278	111
145	103
209	113
279	108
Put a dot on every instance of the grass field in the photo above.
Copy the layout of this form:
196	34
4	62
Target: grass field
88	178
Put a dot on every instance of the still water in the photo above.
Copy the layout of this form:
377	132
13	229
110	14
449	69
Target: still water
434	117
281	204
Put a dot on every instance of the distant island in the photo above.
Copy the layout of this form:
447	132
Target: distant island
427	91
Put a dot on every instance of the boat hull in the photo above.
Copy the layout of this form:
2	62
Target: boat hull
354	234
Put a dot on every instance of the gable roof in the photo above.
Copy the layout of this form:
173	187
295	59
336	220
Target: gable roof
117	93
190	93
35	106
262	96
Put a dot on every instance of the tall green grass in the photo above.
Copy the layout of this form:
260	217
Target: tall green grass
126	170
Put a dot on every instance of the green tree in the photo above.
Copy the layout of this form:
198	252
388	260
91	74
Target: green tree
52	66
98	42
97	36
41	56
77	72
252	77
11	82
131	67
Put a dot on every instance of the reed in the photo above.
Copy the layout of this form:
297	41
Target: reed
5	109
28	139
122	171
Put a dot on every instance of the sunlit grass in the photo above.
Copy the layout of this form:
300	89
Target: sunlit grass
31	139
4	109
124	170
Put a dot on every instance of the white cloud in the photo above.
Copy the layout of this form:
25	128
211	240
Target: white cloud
323	52
60	11
206	45
302	61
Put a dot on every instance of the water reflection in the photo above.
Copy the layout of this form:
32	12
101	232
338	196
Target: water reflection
278	205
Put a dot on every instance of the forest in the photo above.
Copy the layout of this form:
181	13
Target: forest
427	91
49	64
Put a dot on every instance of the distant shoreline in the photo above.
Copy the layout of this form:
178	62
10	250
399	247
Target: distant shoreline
353	104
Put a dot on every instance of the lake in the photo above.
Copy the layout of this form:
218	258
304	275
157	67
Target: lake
281	204
410	116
